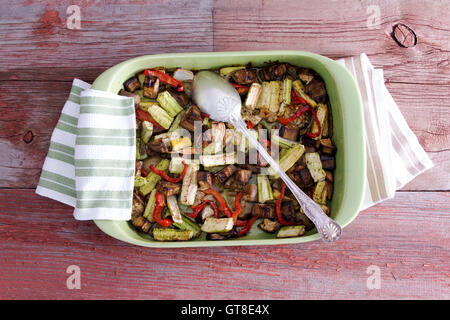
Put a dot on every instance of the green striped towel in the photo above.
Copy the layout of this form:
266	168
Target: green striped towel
91	160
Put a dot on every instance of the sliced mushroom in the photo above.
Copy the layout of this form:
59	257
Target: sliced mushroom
159	145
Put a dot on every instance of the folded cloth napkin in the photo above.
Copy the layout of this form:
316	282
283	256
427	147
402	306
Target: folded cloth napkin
90	162
394	155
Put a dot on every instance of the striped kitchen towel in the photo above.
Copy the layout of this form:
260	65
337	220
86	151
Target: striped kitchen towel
90	162
394	155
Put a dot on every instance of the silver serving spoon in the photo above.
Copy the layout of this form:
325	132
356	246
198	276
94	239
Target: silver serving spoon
218	98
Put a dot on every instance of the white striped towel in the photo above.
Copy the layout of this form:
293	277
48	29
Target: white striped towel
90	163
394	155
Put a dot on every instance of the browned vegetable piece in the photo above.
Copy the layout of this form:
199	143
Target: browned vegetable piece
244	76
289	133
328	162
138	167
204	179
329	176
316	90
277	71
292	71
287	210
146	226
264	211
206	212
168	188
137	220
151	87
159	145
305	177
252	167
327	146
225	173
180	97
243	175
305	75
221	236
250	192
192	114
269	225
246	210
136	97
132	84
137	206
329	190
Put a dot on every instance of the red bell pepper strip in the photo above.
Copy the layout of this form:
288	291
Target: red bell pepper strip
298	113
237	207
250	125
159	206
163	77
240	223
247	227
296	99
204	115
237	86
200	207
222	204
145	116
278	208
144	172
164	175
319	127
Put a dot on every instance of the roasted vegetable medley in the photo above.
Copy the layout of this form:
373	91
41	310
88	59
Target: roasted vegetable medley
196	177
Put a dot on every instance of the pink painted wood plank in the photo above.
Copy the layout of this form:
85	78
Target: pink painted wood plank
407	238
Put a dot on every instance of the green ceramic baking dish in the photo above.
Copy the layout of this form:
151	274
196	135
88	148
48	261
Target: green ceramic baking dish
348	134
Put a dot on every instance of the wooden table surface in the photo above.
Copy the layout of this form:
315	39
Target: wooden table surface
407	237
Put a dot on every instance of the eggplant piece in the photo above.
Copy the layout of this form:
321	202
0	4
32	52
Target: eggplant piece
269	226
136	97
247	208
328	162
289	133
204	179
243	175
159	145
244	76
250	192
132	84
168	188
287	210
329	176
151	87
277	71
180	97
305	75
329	190
261	210
327	146
192	114
221	176
146	226
305	177
316	90
137	207
292	71
221	236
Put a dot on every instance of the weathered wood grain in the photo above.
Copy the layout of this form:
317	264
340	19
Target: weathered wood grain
343	28
36	107
34	35
407	238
